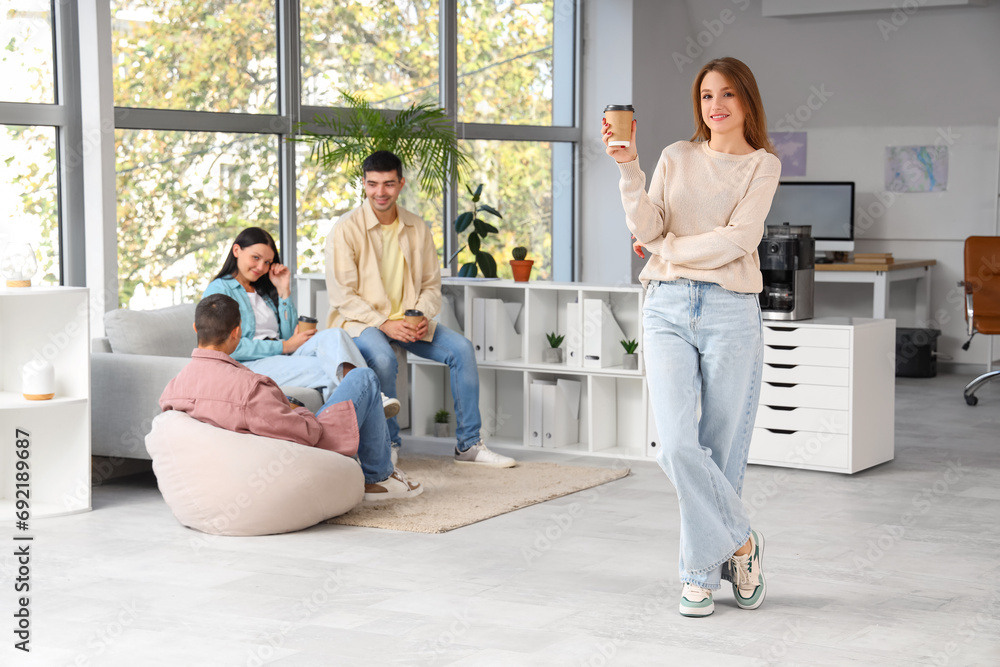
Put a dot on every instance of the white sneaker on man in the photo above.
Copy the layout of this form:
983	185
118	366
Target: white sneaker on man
390	406
397	486
479	454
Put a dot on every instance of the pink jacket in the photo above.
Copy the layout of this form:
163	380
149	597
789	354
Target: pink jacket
216	389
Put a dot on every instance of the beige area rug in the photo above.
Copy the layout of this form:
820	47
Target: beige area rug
459	495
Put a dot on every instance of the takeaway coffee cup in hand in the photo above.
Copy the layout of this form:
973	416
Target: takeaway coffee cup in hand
619	117
306	323
413	317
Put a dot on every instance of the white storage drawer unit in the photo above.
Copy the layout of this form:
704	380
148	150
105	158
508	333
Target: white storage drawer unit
828	397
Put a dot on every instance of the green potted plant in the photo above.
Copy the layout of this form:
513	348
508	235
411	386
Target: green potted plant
480	230
519	266
553	354
630	360
422	135
441	423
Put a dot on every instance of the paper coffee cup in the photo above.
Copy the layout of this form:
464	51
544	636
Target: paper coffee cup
307	323
619	117
413	317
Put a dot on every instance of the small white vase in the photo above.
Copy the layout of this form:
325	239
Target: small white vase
38	380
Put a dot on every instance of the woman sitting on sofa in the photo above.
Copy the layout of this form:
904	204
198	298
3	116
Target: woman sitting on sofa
254	276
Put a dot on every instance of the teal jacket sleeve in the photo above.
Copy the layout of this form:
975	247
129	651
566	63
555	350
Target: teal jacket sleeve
249	349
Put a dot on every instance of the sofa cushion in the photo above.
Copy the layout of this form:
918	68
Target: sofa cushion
165	332
226	483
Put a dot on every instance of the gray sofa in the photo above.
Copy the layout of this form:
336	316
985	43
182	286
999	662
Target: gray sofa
143	351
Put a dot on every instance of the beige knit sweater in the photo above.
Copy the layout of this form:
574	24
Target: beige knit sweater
704	215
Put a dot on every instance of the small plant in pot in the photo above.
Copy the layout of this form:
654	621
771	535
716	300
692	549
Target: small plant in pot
630	360
441	418
553	354
519	266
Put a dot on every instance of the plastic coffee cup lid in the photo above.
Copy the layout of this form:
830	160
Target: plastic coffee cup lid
413	313
620	107
306	318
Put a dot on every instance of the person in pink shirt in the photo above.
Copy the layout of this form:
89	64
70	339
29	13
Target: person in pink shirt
218	390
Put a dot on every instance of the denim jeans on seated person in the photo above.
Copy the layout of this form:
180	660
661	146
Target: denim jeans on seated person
361	387
447	347
703	341
317	364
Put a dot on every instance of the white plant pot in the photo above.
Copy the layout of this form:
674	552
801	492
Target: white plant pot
440	430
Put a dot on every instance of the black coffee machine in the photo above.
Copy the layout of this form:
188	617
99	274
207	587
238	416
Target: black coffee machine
787	261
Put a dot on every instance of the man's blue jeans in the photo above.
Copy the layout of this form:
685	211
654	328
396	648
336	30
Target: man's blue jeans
447	347
704	343
361	387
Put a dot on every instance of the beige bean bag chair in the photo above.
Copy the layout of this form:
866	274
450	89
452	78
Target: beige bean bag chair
226	483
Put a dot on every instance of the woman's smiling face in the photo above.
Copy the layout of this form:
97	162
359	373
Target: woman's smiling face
253	261
720	108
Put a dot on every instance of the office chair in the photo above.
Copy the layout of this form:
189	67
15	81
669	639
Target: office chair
982	298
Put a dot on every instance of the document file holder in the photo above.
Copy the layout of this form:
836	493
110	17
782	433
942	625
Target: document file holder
601	335
574	335
554	413
478	328
501	339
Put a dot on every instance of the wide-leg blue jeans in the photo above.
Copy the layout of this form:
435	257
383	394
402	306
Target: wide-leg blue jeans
704	344
361	387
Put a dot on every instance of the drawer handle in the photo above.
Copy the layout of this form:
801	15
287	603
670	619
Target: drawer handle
784	366
780	407
781	431
783	347
783	384
783	328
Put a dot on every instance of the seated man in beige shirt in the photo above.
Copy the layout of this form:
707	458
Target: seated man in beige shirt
380	263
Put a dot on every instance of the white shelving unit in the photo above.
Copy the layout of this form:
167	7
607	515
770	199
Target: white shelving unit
614	415
828	398
50	323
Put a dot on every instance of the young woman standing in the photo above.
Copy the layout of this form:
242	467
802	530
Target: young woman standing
701	222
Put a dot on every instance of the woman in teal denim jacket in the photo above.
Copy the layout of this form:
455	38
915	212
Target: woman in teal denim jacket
315	359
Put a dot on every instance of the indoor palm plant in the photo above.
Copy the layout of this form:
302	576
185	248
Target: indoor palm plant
421	135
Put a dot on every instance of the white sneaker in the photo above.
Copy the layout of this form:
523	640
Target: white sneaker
478	454
696	601
390	406
397	486
394	454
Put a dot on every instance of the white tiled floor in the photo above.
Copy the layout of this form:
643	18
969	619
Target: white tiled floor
848	584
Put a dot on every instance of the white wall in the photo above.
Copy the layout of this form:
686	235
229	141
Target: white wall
925	225
603	239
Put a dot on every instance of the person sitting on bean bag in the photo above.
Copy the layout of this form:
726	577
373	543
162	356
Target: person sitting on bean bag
218	390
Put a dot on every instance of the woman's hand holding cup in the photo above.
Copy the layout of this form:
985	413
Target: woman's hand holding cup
297	340
621	154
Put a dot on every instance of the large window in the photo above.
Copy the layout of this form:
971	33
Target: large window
387	50
27	60
29	187
195	55
206	97
182	198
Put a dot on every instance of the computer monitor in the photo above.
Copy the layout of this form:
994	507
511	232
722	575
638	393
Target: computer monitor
828	206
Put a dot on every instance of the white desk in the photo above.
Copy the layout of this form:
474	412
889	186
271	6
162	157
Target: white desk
880	276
